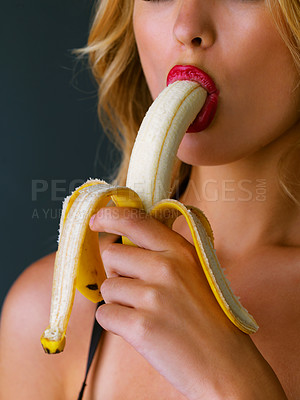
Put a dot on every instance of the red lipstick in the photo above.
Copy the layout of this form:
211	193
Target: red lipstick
191	73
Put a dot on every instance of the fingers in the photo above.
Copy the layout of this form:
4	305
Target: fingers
128	261
136	327
134	294
116	318
125	291
135	224
160	249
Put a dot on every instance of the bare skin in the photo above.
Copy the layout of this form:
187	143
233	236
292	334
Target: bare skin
167	337
119	371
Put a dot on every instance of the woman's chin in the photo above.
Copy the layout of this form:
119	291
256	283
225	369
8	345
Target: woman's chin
199	148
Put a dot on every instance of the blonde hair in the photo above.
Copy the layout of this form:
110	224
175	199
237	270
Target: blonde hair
286	14
123	93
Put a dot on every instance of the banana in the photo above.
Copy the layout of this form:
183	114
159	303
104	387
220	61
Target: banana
78	262
162	129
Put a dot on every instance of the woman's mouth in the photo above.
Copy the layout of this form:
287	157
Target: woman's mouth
191	73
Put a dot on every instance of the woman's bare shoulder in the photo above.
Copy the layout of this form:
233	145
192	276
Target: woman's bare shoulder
25	367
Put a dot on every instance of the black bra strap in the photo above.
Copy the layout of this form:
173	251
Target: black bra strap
95	338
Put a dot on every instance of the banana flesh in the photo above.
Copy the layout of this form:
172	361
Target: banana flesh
78	262
154	153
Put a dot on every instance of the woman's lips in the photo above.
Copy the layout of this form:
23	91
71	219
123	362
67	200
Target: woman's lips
191	73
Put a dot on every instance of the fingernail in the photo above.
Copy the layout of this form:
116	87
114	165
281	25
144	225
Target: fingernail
92	219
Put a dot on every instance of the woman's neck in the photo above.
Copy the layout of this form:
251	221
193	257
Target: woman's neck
244	203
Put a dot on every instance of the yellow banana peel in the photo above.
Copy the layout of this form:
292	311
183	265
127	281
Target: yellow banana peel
78	262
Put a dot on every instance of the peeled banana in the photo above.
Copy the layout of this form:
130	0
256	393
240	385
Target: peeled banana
78	262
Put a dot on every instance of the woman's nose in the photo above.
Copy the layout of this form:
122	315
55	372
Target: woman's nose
193	26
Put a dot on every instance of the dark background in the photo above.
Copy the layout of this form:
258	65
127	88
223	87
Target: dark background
51	140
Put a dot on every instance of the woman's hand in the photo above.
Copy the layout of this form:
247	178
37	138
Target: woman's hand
157	299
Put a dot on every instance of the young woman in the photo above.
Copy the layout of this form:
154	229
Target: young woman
166	337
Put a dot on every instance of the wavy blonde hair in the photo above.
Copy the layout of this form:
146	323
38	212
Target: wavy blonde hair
123	93
286	14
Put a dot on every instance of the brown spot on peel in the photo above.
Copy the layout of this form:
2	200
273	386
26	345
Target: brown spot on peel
93	286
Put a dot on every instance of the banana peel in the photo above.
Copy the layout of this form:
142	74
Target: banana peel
78	261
